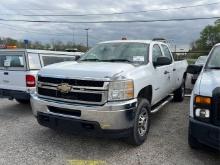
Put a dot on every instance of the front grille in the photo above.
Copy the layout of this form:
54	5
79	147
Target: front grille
93	97
81	91
216	112
74	82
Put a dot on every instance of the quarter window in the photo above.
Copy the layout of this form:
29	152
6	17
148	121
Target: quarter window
34	61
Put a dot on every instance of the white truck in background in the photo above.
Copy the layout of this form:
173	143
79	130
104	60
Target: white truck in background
204	120
19	67
111	90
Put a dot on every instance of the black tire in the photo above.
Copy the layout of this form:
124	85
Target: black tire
22	101
193	142
180	93
141	126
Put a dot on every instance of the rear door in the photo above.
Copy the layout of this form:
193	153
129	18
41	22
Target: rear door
12	70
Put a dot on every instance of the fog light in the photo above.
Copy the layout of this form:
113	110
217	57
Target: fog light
202	113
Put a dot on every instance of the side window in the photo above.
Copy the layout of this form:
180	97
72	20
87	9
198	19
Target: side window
52	59
34	61
167	52
156	53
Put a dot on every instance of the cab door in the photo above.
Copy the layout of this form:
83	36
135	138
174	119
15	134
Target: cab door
170	69
160	75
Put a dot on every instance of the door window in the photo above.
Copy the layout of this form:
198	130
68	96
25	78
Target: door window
156	53
167	52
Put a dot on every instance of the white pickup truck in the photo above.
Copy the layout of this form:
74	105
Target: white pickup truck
204	123
111	90
19	67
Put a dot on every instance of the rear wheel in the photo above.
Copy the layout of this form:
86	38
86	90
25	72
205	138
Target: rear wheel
141	123
23	101
180	93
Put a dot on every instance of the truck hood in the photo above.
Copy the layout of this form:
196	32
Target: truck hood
208	80
94	70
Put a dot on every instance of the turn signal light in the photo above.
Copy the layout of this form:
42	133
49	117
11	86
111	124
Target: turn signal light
202	100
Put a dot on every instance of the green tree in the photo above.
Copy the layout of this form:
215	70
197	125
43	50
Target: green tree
209	36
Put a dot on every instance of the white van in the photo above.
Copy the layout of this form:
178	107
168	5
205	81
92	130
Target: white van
19	67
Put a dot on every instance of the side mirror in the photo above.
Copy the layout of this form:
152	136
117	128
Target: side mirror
194	69
162	61
77	57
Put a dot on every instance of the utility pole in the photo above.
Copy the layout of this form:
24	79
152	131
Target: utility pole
87	37
73	38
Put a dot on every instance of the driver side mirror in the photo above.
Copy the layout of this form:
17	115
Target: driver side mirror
162	61
77	57
194	69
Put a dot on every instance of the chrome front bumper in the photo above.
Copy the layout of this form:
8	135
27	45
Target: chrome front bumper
110	116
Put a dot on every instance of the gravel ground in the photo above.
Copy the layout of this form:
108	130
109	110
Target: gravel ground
23	141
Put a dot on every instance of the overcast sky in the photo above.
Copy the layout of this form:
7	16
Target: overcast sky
179	33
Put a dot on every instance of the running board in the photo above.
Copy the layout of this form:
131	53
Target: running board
162	104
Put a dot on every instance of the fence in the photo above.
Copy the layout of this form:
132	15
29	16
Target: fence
191	57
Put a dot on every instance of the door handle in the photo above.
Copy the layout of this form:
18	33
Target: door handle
166	72
5	73
174	69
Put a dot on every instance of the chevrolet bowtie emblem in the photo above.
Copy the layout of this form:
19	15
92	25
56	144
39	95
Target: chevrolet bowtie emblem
64	88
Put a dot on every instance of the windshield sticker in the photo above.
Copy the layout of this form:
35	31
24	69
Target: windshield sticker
138	58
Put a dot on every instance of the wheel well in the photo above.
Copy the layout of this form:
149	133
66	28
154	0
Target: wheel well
184	75
146	92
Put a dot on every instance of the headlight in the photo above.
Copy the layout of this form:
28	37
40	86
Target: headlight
121	90
202	113
202	107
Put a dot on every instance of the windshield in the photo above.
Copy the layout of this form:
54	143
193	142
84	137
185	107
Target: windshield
214	59
118	52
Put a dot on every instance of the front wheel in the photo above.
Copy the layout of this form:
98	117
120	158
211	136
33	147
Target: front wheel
179	94
193	142
141	123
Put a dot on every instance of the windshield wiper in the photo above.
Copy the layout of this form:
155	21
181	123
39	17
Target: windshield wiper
214	67
117	60
92	59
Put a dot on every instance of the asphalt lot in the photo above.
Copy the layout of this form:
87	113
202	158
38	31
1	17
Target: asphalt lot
23	141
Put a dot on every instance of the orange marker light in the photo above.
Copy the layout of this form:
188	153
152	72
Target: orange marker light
11	47
203	100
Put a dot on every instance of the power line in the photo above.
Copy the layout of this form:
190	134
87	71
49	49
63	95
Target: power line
62	9
113	21
31	31
116	13
41	33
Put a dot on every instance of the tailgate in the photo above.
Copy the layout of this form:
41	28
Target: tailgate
12	70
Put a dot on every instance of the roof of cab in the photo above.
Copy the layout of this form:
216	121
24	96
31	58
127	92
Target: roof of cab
131	41
218	44
41	51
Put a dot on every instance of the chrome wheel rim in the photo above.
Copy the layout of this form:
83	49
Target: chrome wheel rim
143	122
